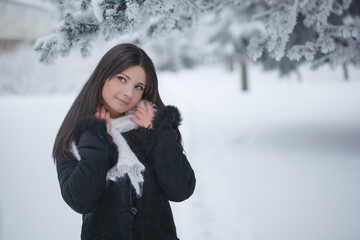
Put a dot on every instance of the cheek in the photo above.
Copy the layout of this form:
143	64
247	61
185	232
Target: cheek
137	98
105	96
106	91
138	95
110	89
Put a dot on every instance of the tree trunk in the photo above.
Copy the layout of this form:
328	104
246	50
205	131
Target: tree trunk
229	63
346	73
244	80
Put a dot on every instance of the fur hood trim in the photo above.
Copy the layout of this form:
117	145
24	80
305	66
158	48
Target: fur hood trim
87	123
168	115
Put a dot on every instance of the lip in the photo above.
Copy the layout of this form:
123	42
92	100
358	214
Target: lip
124	102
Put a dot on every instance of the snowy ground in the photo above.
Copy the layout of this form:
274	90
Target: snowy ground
281	162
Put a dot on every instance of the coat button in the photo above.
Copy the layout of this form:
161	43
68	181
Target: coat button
133	210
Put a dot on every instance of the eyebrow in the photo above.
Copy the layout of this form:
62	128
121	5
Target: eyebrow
126	76
130	79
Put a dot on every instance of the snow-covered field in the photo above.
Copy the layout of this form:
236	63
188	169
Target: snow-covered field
281	162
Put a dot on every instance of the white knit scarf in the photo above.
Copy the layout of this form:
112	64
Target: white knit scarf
127	162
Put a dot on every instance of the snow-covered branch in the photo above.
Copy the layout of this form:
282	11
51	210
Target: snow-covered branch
299	30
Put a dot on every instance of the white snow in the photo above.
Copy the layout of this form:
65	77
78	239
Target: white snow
281	162
98	12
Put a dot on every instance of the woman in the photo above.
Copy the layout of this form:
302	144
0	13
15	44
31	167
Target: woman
119	157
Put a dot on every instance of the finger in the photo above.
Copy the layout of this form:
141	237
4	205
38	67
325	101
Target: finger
150	110
97	111
138	114
150	113
149	107
102	112
108	122
136	120
107	116
141	109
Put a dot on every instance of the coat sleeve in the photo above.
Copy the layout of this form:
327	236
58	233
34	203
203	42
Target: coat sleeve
171	167
83	181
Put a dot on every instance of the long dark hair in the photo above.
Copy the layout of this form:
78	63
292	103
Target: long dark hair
116	60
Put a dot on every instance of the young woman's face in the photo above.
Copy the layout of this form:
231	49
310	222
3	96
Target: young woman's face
122	92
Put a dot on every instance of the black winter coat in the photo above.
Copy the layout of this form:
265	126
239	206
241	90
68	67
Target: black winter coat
111	210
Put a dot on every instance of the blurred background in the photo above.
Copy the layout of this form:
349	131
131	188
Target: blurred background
269	92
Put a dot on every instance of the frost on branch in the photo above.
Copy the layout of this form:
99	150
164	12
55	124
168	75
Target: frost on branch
115	18
50	47
256	47
281	24
342	55
337	35
300	30
298	51
280	21
74	30
83	20
163	16
332	27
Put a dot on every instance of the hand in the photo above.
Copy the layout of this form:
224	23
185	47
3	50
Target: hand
102	113
144	117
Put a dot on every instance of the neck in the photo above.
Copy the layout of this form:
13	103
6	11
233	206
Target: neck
116	115
112	113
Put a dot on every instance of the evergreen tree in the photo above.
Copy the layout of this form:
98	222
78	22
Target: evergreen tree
293	31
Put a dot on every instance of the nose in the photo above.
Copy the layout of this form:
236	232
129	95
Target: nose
128	91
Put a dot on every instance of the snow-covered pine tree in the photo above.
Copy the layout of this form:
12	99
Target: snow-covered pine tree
83	20
285	66
331	27
229	32
77	28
